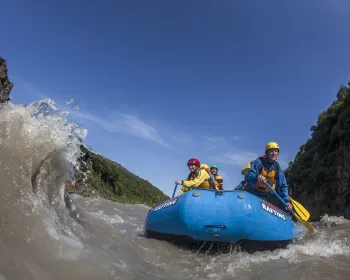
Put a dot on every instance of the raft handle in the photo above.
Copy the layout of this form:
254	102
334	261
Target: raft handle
220	192
215	226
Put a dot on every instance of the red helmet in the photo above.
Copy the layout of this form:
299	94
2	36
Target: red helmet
193	161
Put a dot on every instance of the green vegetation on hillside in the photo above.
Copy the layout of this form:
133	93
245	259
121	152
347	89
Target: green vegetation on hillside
110	180
318	167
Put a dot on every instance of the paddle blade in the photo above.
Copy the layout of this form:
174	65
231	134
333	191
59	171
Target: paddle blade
300	210
309	226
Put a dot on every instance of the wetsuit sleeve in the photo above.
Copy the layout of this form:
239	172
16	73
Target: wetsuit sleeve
253	172
282	185
191	184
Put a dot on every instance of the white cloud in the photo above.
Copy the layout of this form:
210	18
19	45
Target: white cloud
27	88
138	128
69	102
235	158
128	124
161	134
242	158
220	141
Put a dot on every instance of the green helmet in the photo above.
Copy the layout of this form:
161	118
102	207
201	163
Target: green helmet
214	166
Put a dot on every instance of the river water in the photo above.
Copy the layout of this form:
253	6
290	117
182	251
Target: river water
47	235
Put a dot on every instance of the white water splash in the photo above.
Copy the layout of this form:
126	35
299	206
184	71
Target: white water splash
319	246
332	220
39	143
111	220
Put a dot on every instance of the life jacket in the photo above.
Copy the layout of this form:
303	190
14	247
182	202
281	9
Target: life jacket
246	168
207	183
219	182
271	176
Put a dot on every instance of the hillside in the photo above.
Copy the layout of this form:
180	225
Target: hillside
98	175
319	176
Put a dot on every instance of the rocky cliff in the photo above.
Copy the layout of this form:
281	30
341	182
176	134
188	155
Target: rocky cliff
5	84
319	177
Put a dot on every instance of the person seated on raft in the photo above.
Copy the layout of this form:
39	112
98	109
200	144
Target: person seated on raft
219	182
242	185
267	169
206	167
198	178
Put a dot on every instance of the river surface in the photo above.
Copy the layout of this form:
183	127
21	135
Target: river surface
47	235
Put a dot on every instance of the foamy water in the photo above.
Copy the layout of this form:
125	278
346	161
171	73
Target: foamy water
46	235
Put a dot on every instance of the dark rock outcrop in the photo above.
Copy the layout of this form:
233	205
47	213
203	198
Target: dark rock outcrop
5	84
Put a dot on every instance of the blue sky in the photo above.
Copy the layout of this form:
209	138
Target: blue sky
158	82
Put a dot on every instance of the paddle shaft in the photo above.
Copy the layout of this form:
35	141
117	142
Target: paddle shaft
174	190
306	223
280	199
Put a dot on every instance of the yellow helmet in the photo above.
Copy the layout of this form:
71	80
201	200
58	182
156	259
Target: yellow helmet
272	145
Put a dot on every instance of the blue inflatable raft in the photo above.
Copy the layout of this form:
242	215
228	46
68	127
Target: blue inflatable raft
220	216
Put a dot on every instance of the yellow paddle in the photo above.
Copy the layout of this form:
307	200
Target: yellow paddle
300	210
305	223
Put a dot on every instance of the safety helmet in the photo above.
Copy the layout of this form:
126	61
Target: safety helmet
193	161
272	145
214	167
